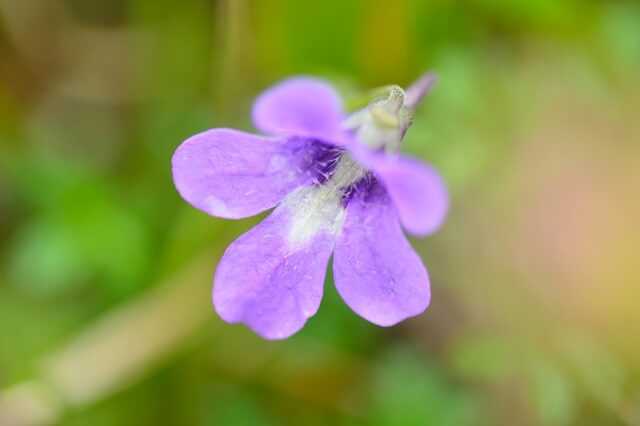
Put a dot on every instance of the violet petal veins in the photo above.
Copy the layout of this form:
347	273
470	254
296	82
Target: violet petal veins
376	271
231	174
270	283
338	186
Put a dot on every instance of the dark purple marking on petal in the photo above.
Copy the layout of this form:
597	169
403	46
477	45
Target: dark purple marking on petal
415	187
359	186
325	160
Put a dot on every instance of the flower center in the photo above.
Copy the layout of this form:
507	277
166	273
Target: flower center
320	208
382	124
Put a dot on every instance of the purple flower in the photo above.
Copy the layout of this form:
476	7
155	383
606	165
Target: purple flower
338	186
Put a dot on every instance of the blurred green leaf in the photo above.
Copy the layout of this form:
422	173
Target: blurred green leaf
46	260
620	26
552	393
241	407
597	372
408	390
482	358
84	234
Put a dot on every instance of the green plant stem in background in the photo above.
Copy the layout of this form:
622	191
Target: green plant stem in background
116	351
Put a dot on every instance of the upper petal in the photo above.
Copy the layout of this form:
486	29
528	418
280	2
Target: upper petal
271	278
232	174
416	188
376	271
300	106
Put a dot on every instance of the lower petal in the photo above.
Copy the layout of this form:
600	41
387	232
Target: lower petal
376	271
272	277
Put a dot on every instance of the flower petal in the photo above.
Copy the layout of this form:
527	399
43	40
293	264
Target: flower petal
232	174
416	188
271	278
300	107
376	271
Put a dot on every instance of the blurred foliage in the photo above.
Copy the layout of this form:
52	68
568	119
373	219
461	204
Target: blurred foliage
408	391
534	315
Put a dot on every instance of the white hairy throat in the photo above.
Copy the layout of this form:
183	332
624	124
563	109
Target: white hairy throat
318	209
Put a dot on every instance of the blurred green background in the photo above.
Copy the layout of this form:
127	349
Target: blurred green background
105	273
